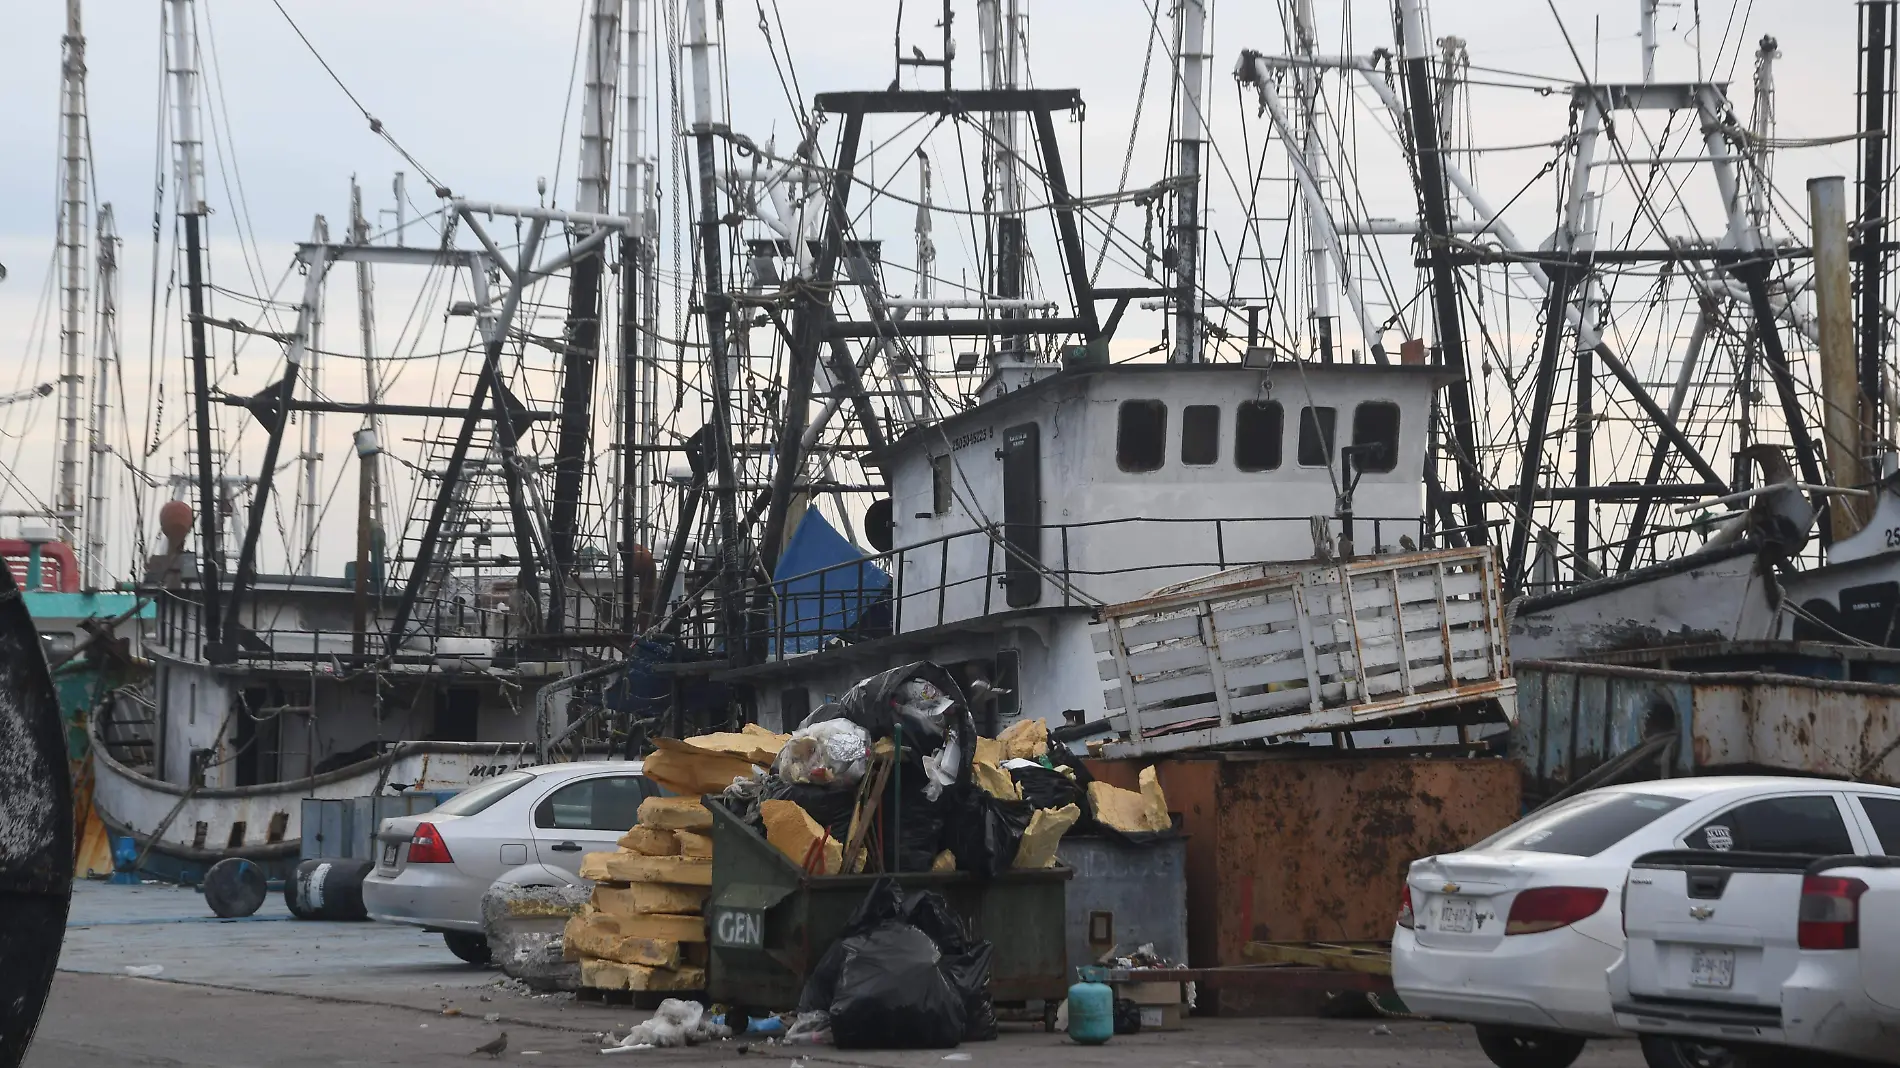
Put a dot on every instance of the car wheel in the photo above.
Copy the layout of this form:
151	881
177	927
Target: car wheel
1518	1047
1663	1052
472	948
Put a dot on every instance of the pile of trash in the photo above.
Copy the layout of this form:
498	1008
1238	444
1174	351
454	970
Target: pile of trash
906	974
676	1023
892	777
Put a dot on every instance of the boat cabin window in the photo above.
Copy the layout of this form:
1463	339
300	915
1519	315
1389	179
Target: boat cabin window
1258	428
1376	423
1141	435
940	491
602	804
1316	435
1200	434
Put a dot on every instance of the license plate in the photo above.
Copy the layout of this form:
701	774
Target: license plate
1712	968
389	854
1458	915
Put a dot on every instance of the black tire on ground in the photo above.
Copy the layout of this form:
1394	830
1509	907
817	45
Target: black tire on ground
235	887
327	888
472	948
1522	1047
1662	1052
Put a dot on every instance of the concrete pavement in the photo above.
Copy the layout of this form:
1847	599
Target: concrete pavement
270	990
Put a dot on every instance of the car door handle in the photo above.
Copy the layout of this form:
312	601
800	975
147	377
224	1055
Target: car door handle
566	847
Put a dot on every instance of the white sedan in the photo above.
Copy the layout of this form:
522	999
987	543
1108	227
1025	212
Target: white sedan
531	826
1516	933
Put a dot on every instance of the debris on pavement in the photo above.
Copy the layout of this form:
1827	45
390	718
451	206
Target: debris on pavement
675	1023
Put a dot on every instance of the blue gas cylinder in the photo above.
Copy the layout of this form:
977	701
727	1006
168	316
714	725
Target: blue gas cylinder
1091	1013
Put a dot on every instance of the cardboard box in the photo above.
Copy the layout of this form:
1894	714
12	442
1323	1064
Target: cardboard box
1150	993
1161	1017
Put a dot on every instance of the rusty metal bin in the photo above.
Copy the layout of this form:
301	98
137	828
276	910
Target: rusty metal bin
770	922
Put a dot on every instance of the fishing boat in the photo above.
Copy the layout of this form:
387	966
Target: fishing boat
780	440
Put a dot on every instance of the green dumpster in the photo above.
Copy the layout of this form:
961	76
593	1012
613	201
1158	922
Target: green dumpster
770	922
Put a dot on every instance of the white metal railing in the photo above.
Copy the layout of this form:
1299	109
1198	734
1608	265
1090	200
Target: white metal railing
1275	651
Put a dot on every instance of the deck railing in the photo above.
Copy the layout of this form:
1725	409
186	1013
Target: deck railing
982	572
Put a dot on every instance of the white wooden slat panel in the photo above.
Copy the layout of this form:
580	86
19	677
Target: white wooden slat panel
1279	610
1240	650
1186	625
1174	687
1385	654
1171	657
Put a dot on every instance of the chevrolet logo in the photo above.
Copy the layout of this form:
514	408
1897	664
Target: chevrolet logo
1701	912
1451	888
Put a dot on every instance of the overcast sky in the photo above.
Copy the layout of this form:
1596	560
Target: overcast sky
476	91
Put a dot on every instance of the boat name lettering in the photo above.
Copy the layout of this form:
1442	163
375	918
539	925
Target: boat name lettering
480	771
963	441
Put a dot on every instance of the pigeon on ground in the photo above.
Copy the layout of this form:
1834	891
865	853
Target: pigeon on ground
493	1049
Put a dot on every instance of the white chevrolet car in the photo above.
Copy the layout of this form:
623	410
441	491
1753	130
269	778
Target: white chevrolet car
1784	957
530	826
1516	934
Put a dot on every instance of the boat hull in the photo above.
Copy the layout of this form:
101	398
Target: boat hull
181	830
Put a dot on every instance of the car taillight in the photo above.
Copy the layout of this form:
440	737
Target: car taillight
1406	919
427	847
1830	912
1547	908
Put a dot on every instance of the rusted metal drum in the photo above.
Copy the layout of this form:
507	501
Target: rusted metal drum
36	827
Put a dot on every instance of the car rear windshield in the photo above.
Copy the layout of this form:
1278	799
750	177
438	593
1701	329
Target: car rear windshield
471	801
1582	827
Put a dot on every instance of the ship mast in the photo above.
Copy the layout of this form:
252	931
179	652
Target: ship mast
183	67
583	309
635	397
1435	213
717	304
1306	81
366	324
313	419
74	287
1190	23
106	352
997	22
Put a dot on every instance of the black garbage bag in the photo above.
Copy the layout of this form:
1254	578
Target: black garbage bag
1043	788
965	962
831	806
927	911
968	973
883	903
1060	756
983	831
909	823
1127	1017
872	704
892	994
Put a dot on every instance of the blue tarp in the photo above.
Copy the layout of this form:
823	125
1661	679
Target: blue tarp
825	589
